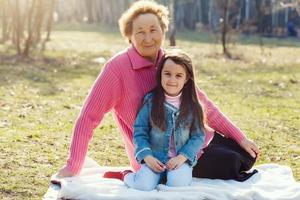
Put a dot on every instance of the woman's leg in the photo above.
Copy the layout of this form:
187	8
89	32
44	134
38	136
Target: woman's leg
224	159
145	179
247	161
180	177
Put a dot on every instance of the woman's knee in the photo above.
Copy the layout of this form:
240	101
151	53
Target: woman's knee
248	163
241	161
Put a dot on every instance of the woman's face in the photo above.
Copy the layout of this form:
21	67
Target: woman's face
173	78
147	35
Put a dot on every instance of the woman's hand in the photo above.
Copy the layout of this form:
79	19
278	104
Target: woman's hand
250	147
176	162
154	164
62	173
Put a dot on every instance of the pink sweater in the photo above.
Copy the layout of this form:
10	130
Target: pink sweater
120	87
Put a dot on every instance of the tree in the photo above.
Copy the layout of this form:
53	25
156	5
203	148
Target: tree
5	21
24	21
172	28
225	4
50	19
226	21
92	11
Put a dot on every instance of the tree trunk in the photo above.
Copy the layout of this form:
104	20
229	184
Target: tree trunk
210	8
239	15
259	16
28	42
259	22
247	10
4	20
172	24
89	11
50	19
297	4
286	16
225	29
199	8
17	27
39	21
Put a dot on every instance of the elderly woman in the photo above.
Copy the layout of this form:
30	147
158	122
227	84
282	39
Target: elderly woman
121	86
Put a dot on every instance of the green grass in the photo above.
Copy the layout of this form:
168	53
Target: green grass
40	99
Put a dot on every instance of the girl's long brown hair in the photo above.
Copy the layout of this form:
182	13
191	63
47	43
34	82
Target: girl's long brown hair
189	100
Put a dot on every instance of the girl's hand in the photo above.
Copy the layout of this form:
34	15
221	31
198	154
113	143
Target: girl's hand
154	164
250	147
62	173
176	162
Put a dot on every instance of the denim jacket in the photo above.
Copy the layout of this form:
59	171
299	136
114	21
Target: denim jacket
150	140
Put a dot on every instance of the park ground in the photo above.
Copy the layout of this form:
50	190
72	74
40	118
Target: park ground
41	97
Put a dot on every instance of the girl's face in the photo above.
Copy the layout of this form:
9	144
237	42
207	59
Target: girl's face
173	78
147	35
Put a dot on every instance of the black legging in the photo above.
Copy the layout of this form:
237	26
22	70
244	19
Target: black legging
224	159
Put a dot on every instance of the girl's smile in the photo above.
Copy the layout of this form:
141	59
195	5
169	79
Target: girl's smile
173	78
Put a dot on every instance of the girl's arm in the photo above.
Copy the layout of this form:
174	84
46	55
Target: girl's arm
192	146
141	133
217	120
143	151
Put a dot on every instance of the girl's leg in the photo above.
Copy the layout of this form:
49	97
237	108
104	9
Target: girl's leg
145	179
224	159
180	177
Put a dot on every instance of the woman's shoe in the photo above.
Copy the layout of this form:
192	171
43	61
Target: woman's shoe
116	174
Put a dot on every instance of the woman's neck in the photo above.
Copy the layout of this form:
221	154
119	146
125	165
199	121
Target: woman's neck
151	58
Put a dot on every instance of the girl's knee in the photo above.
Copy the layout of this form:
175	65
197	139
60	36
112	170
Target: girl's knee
176	181
142	180
180	177
144	186
139	184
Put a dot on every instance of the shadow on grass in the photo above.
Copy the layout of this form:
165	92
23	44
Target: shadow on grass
46	72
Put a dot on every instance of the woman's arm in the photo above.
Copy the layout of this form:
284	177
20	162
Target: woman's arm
104	95
217	120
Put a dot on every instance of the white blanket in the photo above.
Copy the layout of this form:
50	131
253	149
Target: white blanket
272	182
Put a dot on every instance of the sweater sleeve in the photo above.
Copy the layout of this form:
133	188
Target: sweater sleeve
217	120
104	95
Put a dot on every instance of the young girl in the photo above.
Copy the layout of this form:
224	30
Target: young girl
168	131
